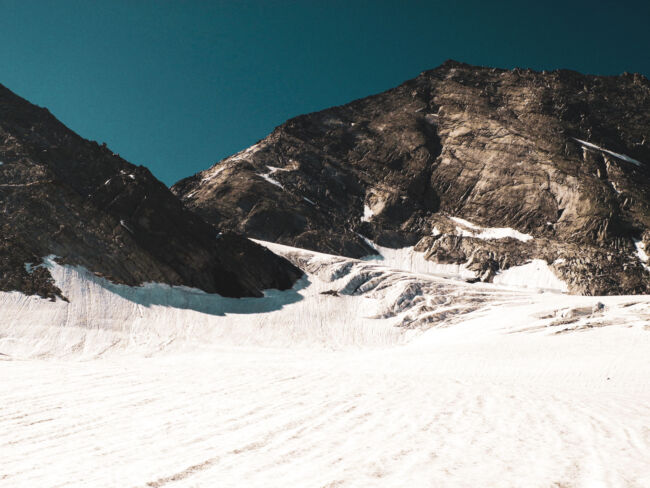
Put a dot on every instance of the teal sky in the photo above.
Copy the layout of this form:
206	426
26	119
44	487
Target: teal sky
176	86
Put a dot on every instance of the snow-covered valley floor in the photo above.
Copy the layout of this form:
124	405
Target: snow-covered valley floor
389	379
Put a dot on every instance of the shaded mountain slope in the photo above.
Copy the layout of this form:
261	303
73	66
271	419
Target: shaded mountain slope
65	196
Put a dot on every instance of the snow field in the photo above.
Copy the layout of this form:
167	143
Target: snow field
394	378
261	418
536	275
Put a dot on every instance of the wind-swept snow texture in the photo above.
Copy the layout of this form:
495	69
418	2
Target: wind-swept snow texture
362	375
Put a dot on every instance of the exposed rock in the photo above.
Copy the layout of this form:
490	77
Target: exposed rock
560	156
65	196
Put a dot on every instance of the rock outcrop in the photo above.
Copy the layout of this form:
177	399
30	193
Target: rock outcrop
560	156
65	196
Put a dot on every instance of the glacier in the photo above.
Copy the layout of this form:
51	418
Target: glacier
366	373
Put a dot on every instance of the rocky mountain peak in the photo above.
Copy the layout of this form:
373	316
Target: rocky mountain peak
561	156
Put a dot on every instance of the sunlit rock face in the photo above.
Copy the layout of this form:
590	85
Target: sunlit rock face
65	196
560	156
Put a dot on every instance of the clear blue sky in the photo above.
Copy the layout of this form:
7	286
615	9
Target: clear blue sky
177	86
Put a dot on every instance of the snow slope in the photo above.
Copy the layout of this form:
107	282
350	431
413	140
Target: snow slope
535	275
391	378
407	259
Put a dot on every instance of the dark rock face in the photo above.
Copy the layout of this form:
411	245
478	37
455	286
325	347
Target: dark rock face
561	156
65	196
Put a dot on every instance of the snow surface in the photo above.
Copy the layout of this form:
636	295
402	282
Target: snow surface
126	226
536	275
641	253
408	259
611	153
232	160
213	173
273	169
246	152
367	214
473	230
402	379
267	176
431	118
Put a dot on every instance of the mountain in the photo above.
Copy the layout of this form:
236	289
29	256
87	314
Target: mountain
65	196
484	168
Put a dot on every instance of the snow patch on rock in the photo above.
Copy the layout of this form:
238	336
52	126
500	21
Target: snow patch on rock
624	157
367	214
431	118
469	229
267	176
214	172
641	253
246	153
126	226
228	162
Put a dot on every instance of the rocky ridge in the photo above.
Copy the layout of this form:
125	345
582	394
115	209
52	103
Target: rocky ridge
65	196
559	156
